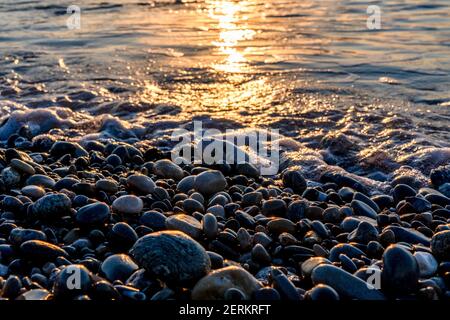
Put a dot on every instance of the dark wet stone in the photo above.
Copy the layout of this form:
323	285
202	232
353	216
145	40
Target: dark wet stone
252	199
383	201
280	225
187	224
107	185
168	170
118	267
440	245
322	292
440	175
172	256
41	181
309	265
186	184
401	191
153	219
284	286
266	294
427	263
274	207
216	260
347	264
294	179
345	284
210	182
128	204
214	285
35	294
20	235
93	215
61	148
345	248
33	192
52	206
140	183
296	210
364	233
71	281
247	169
209	224
408	235
343	180
192	205
122	236
11	288
320	229
10	177
438	199
41	250
362	209
362	197
22	166
260	255
400	274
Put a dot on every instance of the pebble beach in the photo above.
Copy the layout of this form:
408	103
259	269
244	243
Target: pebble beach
135	225
95	206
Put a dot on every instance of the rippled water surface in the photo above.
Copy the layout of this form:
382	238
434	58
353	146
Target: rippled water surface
311	68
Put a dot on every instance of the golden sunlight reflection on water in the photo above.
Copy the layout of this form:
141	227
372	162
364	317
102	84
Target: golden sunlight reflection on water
232	29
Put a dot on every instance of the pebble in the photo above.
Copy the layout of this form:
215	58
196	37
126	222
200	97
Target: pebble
362	209
52	206
10	177
294	179
401	191
427	263
274	207
214	285
118	267
153	219
186	184
122	236
209	224
400	274
280	225
34	192
22	166
260	255
41	181
168	170
309	265
284	286
440	245
408	235
322	292
140	183
107	185
187	224
172	256
128	204
344	283
364	233
35	294
20	235
94	214
210	182
41	250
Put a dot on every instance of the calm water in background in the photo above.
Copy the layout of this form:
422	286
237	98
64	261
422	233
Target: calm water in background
310	68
